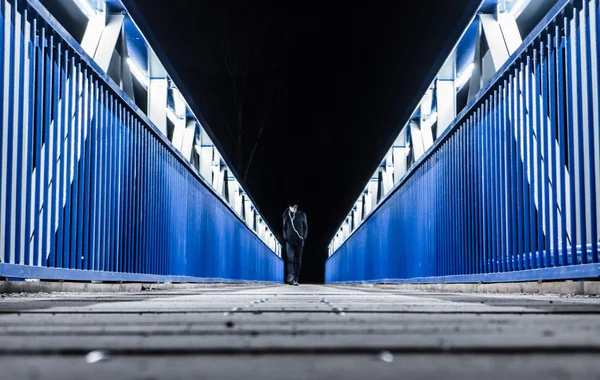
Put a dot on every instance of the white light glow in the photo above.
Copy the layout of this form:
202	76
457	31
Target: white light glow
465	75
171	115
86	8
431	119
175	118
137	72
518	7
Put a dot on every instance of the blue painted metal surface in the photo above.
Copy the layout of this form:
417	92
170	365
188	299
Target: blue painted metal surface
508	192
90	190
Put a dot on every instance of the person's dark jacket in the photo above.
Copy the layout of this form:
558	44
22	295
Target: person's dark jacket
295	220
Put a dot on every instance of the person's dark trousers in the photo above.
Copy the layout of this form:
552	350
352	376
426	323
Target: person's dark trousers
294	258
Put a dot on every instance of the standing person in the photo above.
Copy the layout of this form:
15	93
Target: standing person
295	229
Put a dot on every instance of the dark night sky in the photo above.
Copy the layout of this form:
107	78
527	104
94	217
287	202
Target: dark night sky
348	77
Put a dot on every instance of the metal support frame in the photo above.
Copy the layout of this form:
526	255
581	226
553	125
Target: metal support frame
445	86
438	106
126	77
400	152
108	40
495	40
475	80
359	210
157	93
179	118
416	140
205	151
189	136
500	178
388	174
235	198
100	165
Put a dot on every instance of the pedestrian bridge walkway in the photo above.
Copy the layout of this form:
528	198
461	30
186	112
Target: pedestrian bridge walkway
307	332
109	172
110	177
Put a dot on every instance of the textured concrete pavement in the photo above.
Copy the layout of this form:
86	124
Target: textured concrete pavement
283	332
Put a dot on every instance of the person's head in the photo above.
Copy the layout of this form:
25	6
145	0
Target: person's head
294	204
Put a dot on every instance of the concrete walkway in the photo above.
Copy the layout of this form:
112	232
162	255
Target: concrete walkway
306	332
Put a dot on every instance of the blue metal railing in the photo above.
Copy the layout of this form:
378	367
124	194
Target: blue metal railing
508	193
90	190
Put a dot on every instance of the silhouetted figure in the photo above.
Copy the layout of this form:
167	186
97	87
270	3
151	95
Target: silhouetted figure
295	229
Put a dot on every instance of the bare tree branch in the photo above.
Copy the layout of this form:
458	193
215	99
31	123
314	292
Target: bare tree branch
240	50
267	107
